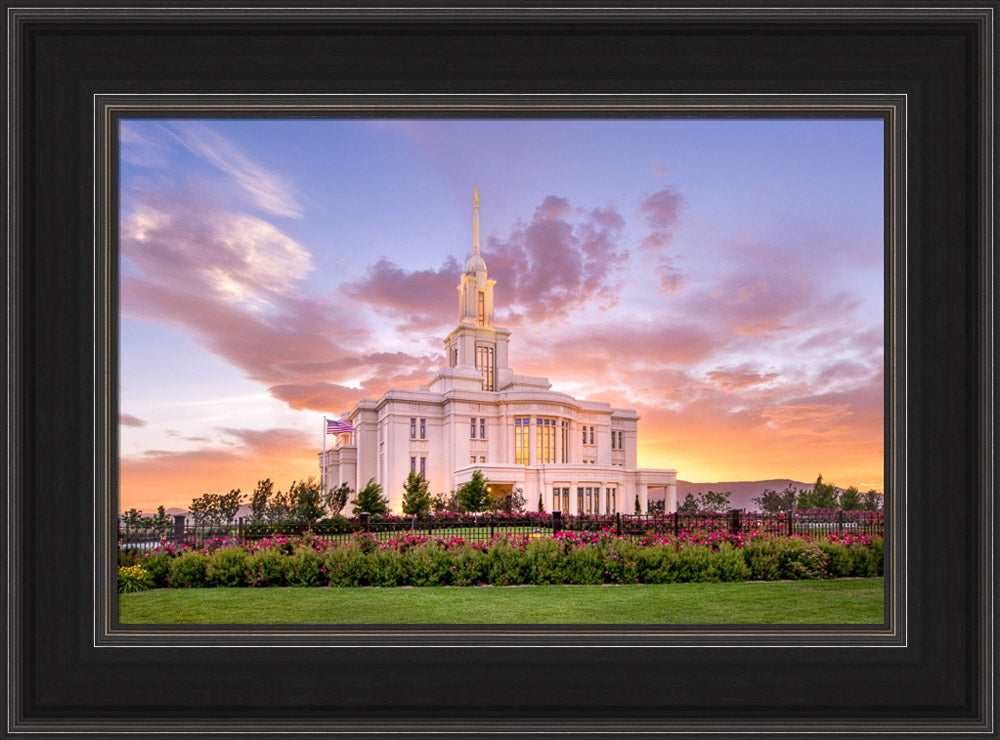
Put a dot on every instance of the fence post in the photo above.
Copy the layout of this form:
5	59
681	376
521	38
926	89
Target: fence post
618	523
734	521
491	525
790	512
365	524
179	526
556	522
840	520
239	528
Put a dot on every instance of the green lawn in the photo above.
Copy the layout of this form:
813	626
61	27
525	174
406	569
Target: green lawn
848	601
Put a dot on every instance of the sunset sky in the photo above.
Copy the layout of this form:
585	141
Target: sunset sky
724	278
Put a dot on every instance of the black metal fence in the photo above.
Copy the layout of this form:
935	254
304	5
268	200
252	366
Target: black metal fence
483	527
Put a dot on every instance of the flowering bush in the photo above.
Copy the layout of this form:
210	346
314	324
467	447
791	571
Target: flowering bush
133	578
578	557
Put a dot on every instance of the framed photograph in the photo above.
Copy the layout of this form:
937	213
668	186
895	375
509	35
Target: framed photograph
122	123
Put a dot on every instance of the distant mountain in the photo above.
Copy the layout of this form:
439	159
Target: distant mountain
741	492
244	511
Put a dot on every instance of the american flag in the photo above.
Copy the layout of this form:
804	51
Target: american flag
333	426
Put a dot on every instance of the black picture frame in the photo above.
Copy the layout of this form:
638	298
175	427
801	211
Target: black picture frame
71	670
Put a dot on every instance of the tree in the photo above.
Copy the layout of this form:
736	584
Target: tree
336	498
713	501
822	496
132	518
773	502
201	509
689	506
541	503
473	495
229	505
307	500
370	499
260	499
161	522
416	496
871	500
638	506
850	499
281	508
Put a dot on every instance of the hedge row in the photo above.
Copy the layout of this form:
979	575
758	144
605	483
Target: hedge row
514	562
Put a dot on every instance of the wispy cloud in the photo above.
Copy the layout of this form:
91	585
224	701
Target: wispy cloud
268	190
130	421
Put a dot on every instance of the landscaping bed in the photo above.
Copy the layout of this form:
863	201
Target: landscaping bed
574	558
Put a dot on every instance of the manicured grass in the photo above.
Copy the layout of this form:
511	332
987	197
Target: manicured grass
848	601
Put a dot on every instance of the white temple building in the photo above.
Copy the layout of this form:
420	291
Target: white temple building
476	413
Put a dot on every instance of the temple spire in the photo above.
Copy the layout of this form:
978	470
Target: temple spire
475	220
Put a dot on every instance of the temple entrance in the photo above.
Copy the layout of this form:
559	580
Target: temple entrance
501	493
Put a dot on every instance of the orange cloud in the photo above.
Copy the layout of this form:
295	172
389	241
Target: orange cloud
159	477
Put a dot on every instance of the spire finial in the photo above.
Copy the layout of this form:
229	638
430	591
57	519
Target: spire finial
475	219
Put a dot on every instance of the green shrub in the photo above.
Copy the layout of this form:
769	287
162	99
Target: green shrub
620	562
469	566
188	571
694	564
306	568
427	565
840	560
544	562
386	568
507	565
158	566
867	561
268	567
657	564
133	578
350	565
728	563
227	566
584	566
127	557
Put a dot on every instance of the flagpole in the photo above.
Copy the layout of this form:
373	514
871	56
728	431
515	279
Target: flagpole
322	467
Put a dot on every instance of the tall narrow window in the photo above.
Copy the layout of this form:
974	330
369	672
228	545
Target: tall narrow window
472	428
592	435
485	364
481	313
610	508
546	440
413	465
413	428
620	445
556	500
565	501
579	500
584	435
564	456
423	429
614	440
521	428
423	467
482	429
